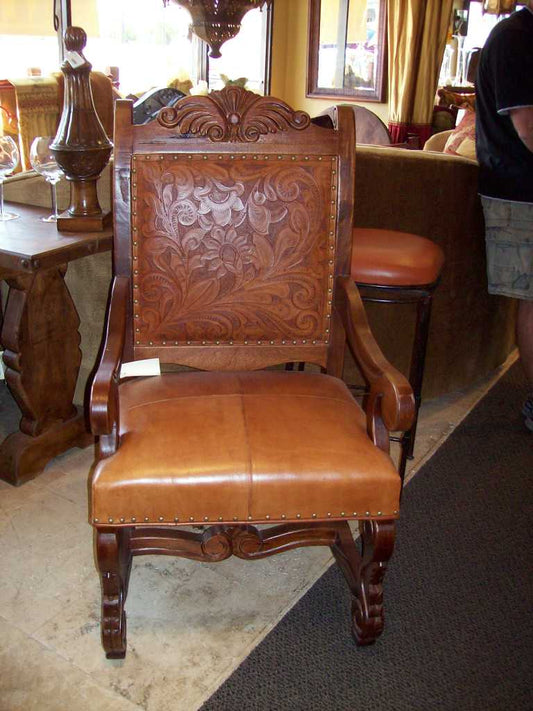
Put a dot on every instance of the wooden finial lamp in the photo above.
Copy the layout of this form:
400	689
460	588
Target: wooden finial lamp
81	146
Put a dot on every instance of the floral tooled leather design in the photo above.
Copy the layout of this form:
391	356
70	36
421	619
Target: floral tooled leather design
230	251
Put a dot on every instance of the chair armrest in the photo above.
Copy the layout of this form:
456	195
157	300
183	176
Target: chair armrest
391	396
104	405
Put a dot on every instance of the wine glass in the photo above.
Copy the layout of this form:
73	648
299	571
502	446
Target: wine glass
43	162
9	158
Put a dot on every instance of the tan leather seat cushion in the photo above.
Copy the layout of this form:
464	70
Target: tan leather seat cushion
252	446
392	258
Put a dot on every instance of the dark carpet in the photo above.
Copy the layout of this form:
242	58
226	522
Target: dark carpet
458	633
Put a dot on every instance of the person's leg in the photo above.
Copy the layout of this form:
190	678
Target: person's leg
509	241
524	337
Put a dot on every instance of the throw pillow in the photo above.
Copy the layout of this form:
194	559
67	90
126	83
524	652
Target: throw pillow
462	140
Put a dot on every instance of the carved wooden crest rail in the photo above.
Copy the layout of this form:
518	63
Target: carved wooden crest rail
233	114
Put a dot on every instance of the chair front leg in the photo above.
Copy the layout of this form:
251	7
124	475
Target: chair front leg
113	558
364	574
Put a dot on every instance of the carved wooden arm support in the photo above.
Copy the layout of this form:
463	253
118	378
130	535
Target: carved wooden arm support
391	396
104	407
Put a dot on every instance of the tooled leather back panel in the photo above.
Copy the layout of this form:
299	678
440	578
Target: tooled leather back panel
232	249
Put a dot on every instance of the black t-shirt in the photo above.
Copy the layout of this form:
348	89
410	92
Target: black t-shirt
505	81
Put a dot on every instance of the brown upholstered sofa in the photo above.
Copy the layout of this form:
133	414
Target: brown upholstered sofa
435	195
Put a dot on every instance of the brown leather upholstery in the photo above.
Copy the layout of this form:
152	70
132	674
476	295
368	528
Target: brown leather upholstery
242	447
392	258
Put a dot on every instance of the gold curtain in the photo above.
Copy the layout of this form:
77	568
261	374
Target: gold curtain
417	37
499	7
34	17
26	17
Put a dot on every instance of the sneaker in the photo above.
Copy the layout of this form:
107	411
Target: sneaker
527	411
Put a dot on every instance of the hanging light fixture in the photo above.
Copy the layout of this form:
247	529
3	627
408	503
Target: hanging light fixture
216	21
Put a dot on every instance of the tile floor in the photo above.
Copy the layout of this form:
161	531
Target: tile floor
189	624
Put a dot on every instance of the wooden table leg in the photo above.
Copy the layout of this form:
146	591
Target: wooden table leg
42	358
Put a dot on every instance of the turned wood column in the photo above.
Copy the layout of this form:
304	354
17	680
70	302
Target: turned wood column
81	146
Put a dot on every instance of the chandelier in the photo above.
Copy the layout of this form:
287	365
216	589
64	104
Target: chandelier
216	21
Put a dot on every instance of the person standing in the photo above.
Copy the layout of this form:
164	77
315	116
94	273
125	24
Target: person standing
504	144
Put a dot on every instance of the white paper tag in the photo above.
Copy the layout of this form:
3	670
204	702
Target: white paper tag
138	368
74	59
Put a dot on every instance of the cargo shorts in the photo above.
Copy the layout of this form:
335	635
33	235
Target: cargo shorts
509	245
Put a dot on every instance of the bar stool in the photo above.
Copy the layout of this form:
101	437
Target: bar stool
398	267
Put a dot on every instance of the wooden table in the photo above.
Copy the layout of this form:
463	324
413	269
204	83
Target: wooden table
41	340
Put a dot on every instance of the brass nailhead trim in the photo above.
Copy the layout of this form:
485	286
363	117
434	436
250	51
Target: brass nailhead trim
266	517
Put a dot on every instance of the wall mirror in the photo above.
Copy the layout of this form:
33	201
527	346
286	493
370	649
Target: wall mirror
347	48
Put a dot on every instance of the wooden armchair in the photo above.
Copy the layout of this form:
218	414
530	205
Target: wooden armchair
233	231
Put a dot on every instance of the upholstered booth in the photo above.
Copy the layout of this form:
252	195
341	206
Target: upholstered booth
435	195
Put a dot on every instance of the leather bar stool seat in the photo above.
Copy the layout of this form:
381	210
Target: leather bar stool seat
390	266
392	258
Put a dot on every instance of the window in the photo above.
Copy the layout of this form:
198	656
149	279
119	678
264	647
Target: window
470	30
149	44
252	42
